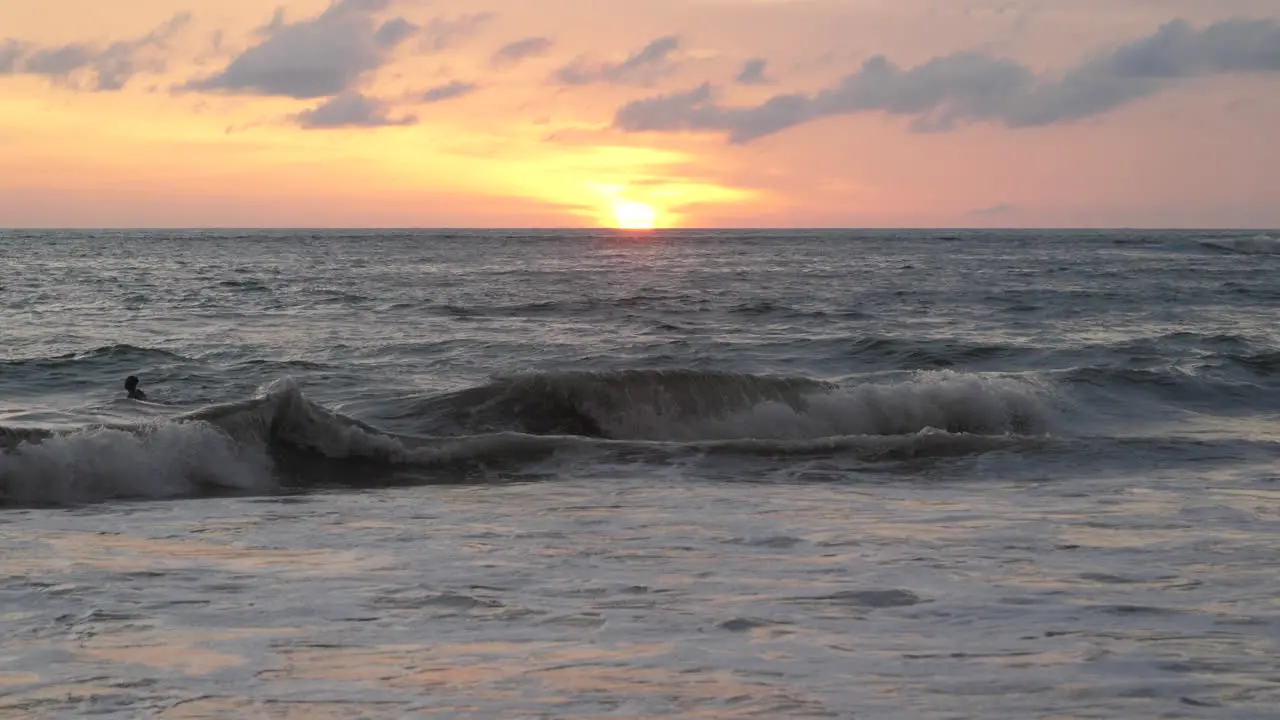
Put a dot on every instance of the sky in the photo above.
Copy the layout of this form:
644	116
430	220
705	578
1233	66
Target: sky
677	113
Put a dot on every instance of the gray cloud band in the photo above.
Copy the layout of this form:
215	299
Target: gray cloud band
953	90
638	67
318	57
108	68
521	50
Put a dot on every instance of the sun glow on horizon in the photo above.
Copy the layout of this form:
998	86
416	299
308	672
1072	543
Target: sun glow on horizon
631	215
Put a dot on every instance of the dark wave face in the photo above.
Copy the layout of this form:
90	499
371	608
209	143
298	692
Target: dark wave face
279	361
613	404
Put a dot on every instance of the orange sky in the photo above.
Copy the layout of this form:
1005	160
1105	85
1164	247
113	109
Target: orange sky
554	113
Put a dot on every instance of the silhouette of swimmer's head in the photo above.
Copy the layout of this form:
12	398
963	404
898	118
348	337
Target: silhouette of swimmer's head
131	385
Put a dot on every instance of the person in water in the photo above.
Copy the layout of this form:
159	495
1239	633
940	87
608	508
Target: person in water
131	385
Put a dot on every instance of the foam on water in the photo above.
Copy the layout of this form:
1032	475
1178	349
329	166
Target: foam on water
160	461
951	402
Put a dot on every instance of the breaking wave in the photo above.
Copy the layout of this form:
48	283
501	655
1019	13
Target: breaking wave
691	406
159	461
281	439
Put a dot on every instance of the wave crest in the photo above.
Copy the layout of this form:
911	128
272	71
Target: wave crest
690	406
156	461
949	402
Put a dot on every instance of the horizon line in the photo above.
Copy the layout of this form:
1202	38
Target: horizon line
582	229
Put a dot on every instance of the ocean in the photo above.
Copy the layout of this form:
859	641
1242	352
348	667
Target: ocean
675	474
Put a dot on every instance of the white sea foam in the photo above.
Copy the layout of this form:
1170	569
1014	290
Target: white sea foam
167	460
946	401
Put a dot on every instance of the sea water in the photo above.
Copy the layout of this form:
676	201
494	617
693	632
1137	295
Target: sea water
678	474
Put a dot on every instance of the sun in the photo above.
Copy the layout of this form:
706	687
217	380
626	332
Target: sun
630	215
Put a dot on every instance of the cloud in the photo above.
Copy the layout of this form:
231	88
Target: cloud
999	209
440	34
752	72
393	32
954	90
448	91
348	110
682	110
110	68
521	50
58	61
11	52
637	67
318	57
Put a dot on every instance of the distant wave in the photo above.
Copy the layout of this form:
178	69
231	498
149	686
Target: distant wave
1266	364
121	352
908	353
112	363
1256	245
